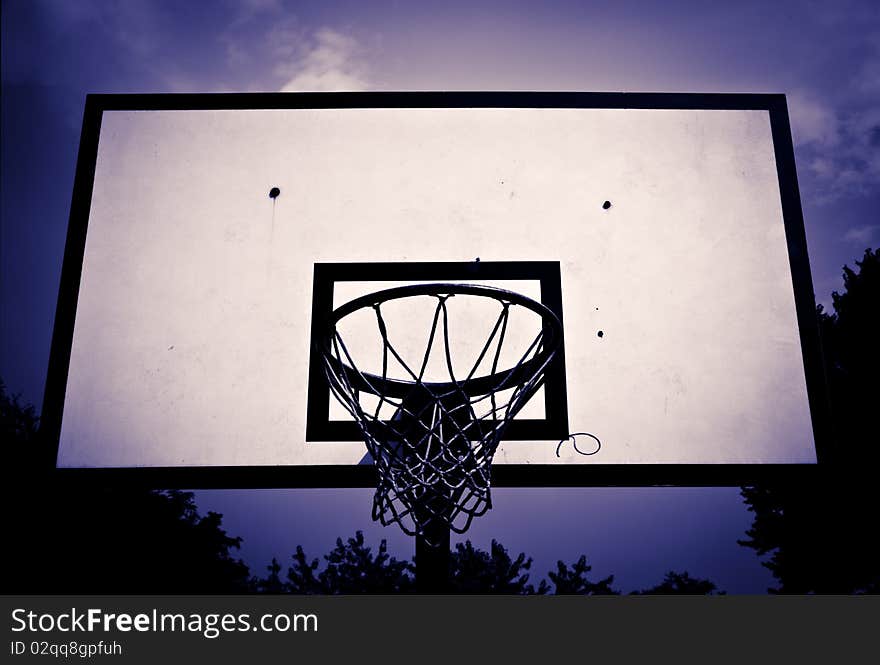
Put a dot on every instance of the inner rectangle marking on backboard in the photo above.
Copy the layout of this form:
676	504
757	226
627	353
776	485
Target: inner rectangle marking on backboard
544	417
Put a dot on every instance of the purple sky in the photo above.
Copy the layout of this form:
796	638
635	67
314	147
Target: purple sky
824	55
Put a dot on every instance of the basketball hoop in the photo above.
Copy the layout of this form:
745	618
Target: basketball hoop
433	456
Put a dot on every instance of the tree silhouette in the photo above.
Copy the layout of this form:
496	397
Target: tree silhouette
574	580
301	575
475	571
77	538
19	429
273	582
351	568
851	344
682	584
823	537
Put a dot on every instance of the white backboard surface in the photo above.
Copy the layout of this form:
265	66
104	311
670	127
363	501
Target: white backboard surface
192	330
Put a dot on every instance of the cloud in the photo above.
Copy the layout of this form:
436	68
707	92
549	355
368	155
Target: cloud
248	11
138	28
257	6
840	148
287	41
330	61
275	50
836	119
861	234
868	78
812	120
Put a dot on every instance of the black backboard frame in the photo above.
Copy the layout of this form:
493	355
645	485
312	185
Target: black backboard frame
540	475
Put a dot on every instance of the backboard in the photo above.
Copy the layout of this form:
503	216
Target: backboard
664	230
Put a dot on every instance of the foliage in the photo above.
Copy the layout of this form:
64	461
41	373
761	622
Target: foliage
121	540
574	580
19	428
822	537
70	538
475	571
851	342
351	568
301	576
682	584
273	582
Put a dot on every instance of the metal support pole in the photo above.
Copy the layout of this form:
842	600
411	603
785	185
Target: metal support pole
432	562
